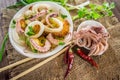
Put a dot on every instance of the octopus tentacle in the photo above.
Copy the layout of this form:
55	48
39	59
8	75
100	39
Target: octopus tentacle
45	48
41	13
105	44
18	27
92	50
97	50
52	40
85	41
76	35
80	42
89	42
101	46
55	41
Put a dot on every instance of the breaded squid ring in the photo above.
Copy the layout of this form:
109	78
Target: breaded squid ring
32	24
38	7
28	13
60	23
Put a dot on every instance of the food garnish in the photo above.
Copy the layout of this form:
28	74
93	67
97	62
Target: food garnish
13	24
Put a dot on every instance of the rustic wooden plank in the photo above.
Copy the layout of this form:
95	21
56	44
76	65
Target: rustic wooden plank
3	75
3	4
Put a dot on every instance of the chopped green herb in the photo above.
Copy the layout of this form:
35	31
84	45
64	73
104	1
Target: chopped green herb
34	50
63	16
61	43
27	41
82	12
31	31
14	21
30	28
50	10
13	24
59	38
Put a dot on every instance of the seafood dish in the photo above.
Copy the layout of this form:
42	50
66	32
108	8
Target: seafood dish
41	28
93	36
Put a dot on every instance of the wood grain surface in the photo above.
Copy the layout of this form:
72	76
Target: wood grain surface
109	62
3	4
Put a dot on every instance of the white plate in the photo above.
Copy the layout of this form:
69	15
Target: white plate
21	49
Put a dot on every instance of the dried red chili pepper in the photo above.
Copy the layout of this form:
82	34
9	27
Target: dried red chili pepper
66	55
87	58
70	61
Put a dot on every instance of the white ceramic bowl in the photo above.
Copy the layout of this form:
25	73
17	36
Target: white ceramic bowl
21	48
92	23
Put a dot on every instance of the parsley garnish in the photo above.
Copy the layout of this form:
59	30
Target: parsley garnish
63	16
95	11
61	43
31	31
13	24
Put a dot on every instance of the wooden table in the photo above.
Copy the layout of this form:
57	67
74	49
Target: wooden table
5	3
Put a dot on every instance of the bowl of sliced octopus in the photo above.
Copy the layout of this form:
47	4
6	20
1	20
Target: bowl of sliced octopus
92	35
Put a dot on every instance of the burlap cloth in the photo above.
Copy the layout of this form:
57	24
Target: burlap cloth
109	64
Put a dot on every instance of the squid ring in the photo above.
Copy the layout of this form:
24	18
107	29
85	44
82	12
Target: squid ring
32	24
48	29
38	7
